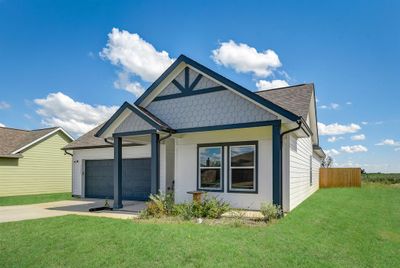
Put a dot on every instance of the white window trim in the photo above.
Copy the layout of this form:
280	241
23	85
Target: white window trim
254	167
199	167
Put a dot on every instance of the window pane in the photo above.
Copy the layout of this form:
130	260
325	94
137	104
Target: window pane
242	156
210	156
210	178
242	178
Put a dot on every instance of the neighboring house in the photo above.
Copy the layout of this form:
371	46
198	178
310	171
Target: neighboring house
194	129
33	162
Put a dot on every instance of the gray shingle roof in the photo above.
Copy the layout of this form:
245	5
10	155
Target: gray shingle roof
88	140
12	139
295	99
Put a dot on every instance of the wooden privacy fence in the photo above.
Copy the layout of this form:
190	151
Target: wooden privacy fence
339	177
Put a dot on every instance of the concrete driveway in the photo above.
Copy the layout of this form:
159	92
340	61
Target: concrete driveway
130	210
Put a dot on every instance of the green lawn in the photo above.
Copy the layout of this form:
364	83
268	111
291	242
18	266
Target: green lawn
357	227
33	199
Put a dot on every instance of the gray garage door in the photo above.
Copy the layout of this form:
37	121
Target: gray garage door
99	181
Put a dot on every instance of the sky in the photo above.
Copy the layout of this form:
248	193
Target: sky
73	63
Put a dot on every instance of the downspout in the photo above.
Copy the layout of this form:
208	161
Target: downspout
166	137
66	152
107	141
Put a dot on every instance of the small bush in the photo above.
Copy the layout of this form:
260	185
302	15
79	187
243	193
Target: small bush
210	208
184	210
160	205
213	208
270	211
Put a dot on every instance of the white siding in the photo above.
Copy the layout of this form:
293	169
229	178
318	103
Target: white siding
299	172
108	153
186	165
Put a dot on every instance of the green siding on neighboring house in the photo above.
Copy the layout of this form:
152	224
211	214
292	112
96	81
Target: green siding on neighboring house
44	168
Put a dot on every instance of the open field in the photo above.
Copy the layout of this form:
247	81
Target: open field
33	199
347	227
389	178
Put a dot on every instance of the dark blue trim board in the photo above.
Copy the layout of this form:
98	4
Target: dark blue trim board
276	165
189	93
112	119
135	110
155	163
230	126
160	79
134	133
117	173
251	95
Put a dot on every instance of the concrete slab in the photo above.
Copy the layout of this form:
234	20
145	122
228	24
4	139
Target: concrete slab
130	210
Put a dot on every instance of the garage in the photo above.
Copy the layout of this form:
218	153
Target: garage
136	182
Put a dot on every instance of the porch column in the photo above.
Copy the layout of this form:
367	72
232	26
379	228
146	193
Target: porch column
117	172
155	163
276	164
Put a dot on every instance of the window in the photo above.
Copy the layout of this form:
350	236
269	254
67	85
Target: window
210	168
242	168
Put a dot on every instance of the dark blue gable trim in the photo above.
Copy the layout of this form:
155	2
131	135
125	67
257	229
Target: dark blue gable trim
135	110
223	80
190	93
134	133
229	126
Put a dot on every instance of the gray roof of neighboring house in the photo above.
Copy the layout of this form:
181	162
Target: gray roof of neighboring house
12	139
296	99
88	140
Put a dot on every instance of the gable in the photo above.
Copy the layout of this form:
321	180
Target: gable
133	123
186	83
219	107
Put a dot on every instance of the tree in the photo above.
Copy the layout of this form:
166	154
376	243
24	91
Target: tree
327	162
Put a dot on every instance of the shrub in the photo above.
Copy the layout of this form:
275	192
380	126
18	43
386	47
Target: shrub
184	210
270	211
213	208
160	205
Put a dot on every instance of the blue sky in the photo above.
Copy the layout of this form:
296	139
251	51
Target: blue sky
51	70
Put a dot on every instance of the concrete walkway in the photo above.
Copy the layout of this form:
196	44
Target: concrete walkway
69	207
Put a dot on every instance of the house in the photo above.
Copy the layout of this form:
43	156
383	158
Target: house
33	162
194	129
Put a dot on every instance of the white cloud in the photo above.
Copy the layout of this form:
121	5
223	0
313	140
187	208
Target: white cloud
360	137
136	57
332	106
337	129
349	103
354	149
389	142
125	83
264	85
397	149
4	105
245	59
364	122
2	125
58	109
332	152
334	139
